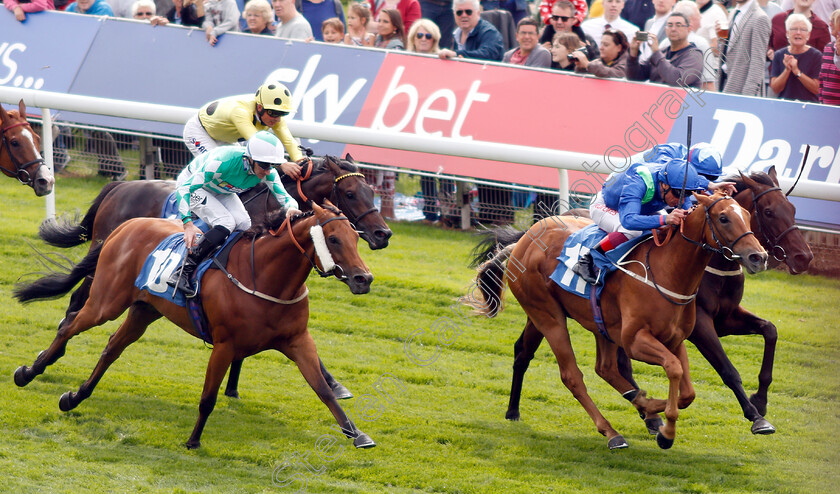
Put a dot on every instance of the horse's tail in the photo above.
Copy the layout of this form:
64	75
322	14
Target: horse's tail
490	256
57	284
65	232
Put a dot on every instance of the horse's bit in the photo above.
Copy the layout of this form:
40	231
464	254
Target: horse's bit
778	251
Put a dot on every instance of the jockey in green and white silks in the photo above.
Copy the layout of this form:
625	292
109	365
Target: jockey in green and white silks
208	188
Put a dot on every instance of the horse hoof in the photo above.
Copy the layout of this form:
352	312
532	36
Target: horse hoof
20	376
192	444
762	426
65	403
617	442
363	441
653	424
232	394
512	415
663	441
341	392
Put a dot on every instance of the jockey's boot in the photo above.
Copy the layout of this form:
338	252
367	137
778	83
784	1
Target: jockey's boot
182	278
585	268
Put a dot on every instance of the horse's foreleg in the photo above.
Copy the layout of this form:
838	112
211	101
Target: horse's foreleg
232	388
139	317
612	370
338	389
742	321
302	351
523	353
220	360
646	348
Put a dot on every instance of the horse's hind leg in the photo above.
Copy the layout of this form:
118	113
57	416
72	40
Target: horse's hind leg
232	388
140	315
220	360
523	353
302	351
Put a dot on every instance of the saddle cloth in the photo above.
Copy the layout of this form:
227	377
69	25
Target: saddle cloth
581	242
170	212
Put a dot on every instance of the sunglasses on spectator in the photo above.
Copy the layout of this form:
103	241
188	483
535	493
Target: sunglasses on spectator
276	113
459	13
424	35
564	18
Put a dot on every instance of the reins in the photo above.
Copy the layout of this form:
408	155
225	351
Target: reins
287	225
21	172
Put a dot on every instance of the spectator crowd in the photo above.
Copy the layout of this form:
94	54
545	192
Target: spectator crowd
786	49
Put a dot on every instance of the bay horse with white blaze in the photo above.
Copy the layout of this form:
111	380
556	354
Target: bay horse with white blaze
241	324
19	152
327	178
719	313
648	324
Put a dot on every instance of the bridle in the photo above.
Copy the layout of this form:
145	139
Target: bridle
21	172
727	251
337	199
777	250
336	270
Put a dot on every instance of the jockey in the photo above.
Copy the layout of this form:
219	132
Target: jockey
706	159
208	187
633	201
236	119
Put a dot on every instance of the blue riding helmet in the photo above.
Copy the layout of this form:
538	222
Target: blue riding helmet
674	172
706	160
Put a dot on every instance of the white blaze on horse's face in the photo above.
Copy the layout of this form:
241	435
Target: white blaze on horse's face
28	135
739	211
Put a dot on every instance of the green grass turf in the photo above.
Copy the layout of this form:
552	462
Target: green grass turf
441	430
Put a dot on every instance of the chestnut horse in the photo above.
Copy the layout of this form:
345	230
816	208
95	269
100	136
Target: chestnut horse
241	323
648	319
328	178
719	312
19	152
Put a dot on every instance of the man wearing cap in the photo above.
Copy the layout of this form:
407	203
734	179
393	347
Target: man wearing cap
208	188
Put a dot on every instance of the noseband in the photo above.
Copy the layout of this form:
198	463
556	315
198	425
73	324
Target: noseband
727	251
778	251
336	271
21	172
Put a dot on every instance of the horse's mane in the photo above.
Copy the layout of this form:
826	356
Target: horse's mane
319	166
274	220
759	176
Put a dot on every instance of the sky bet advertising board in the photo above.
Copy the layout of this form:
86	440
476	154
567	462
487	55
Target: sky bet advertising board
399	92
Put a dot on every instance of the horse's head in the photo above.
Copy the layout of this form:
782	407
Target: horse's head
336	247
19	155
352	194
774	220
728	230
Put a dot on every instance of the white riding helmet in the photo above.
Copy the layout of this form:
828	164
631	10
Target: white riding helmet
265	147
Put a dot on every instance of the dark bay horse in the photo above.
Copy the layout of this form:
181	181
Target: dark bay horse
241	324
19	152
329	178
719	313
650	324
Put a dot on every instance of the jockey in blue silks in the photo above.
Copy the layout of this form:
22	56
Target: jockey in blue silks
634	201
705	159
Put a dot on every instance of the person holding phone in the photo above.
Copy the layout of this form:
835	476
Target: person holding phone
680	64
613	60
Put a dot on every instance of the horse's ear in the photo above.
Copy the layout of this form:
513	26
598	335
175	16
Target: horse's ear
703	199
318	209
772	174
332	163
22	109
3	115
749	182
349	158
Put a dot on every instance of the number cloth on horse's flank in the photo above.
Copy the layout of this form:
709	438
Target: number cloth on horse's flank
164	260
583	241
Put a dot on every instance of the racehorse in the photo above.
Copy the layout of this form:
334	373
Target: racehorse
719	312
642	313
327	178
19	155
241	324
